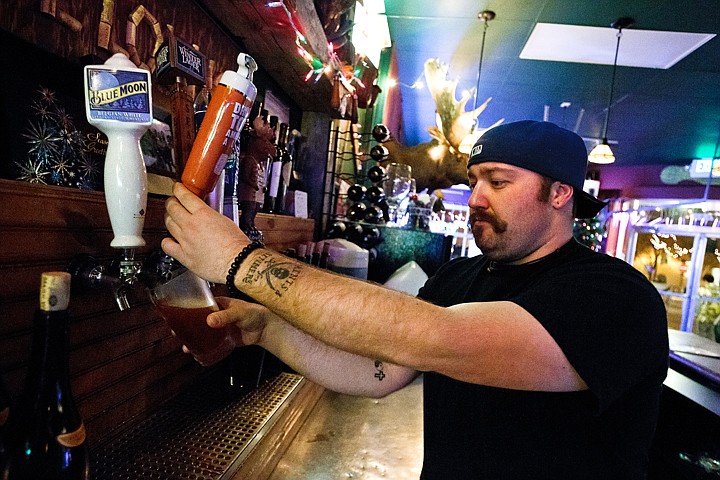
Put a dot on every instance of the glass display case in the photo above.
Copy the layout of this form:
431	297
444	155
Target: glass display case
676	245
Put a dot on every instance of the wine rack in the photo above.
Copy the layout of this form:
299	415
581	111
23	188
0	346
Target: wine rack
350	209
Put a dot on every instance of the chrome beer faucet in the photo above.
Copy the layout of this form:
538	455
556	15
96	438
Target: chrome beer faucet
118	278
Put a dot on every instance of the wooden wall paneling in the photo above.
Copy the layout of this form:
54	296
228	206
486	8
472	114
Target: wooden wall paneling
282	232
25	276
93	304
130	386
47	243
90	355
107	374
16	349
24	18
265	33
113	421
97	338
124	364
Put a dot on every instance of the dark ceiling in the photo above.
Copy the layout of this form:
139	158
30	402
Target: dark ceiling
657	117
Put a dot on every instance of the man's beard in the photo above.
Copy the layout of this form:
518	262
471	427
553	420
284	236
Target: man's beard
491	244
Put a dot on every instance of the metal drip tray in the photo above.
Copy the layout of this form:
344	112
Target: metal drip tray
203	434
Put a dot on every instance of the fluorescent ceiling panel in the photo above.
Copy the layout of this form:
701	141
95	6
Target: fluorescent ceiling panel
638	48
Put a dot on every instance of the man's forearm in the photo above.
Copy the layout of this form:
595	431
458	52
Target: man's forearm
343	312
335	369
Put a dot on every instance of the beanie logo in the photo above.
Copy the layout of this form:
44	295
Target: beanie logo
476	150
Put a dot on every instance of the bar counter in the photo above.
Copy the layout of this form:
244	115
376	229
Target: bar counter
686	443
694	371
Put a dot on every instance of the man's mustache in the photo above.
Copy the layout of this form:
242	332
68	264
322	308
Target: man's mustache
497	225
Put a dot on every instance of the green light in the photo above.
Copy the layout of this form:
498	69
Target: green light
705	150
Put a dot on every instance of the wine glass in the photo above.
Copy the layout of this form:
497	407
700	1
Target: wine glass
397	183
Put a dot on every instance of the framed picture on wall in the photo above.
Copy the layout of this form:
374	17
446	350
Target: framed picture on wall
157	148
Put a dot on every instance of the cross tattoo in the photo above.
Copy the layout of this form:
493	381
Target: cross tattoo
380	374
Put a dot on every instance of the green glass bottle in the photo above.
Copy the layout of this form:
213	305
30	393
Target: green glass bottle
46	432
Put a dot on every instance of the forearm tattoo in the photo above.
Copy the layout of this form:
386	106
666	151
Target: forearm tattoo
279	275
379	374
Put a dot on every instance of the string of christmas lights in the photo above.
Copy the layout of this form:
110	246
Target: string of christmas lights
347	74
676	251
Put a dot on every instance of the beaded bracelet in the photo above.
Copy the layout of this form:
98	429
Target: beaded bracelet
235	265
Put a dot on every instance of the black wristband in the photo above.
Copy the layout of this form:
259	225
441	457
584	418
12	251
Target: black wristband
235	265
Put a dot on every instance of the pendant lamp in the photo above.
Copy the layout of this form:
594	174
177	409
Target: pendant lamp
470	139
602	153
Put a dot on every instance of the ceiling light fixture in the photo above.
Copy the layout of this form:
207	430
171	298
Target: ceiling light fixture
602	153
470	139
485	16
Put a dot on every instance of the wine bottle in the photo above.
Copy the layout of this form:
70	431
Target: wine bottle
317	251
47	435
202	99
263	172
302	252
285	169
309	249
293	148
200	106
274	173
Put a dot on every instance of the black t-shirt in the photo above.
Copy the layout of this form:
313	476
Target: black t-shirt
608	320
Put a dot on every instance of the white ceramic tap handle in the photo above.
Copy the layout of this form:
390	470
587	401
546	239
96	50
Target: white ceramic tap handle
125	188
118	101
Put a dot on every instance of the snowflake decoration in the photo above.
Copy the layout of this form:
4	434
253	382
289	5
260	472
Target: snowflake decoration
47	95
41	108
55	147
31	172
43	140
89	169
64	119
86	184
56	177
70	140
63	166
